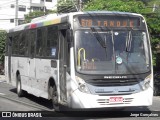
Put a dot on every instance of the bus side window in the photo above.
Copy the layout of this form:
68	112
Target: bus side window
40	42
32	43
22	43
52	39
26	43
15	47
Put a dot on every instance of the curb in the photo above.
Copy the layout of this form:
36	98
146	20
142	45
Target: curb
24	103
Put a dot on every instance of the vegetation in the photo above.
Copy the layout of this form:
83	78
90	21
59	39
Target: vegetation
65	6
31	15
116	5
144	7
2	46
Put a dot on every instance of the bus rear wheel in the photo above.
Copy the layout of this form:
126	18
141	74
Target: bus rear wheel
54	97
19	86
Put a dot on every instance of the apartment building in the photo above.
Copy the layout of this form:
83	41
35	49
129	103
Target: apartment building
8	12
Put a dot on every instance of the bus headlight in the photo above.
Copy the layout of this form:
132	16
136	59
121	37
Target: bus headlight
146	84
82	85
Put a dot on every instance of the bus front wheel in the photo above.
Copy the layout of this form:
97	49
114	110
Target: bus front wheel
19	86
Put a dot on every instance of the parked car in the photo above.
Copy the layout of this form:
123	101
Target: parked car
157	84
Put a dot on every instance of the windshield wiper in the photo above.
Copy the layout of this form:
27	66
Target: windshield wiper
128	42
98	37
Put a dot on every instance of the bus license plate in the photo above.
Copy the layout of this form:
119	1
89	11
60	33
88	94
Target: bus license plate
115	99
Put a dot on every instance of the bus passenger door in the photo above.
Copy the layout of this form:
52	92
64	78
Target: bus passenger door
31	59
62	67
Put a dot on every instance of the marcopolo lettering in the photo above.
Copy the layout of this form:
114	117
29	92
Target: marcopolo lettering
114	77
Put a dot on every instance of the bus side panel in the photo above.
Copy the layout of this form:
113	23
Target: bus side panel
14	68
43	73
23	69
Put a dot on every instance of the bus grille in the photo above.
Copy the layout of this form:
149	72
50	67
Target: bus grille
106	101
115	82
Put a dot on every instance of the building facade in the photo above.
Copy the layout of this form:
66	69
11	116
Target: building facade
12	11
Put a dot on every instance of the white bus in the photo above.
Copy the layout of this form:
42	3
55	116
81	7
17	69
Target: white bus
82	59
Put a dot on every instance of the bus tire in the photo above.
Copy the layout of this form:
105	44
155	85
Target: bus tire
54	98
19	86
155	92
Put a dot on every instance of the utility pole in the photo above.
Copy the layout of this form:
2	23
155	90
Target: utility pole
80	5
30	6
44	7
16	13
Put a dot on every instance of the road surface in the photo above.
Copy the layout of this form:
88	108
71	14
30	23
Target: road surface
9	101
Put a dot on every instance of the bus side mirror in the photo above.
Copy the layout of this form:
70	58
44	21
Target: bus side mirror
69	36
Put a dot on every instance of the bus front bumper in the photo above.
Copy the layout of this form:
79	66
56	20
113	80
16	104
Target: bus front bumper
84	100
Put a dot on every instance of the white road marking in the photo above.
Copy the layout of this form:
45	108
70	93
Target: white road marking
2	81
2	94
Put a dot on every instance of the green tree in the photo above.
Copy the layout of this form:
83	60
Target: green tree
31	15
2	46
115	5
143	7
65	6
153	21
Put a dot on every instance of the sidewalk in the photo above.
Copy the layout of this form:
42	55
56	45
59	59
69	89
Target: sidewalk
2	78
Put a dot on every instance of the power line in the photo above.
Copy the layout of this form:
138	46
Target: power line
7	2
72	7
67	7
13	1
10	19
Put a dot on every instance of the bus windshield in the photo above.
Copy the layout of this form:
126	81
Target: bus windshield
111	52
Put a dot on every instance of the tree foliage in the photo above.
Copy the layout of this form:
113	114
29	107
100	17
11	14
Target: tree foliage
2	46
31	15
65	6
115	5
143	7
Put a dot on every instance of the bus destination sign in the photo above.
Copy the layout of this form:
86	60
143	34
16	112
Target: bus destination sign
107	21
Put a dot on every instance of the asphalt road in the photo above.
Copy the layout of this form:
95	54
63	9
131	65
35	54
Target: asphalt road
9	101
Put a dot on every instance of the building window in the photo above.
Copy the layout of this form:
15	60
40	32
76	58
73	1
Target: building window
12	5
48	0
20	22
36	8
22	8
11	20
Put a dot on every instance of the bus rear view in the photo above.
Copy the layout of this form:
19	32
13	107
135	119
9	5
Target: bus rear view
112	61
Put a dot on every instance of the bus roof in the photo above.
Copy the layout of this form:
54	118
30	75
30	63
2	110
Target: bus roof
61	18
